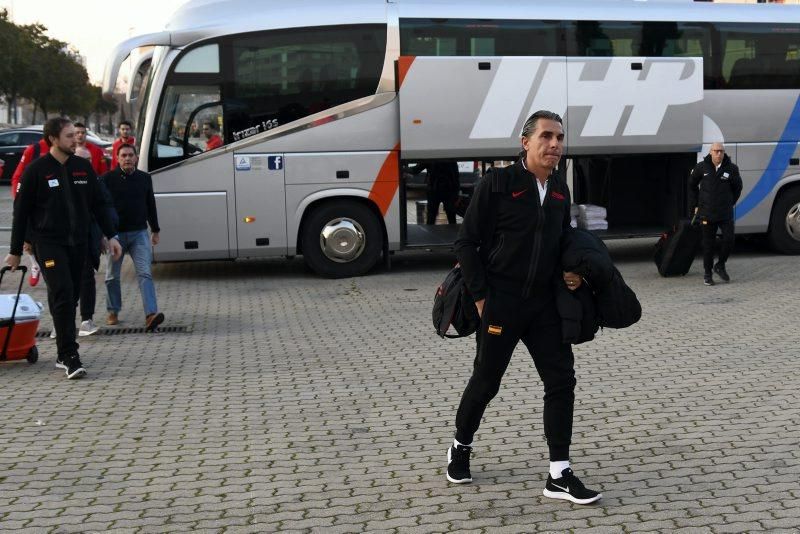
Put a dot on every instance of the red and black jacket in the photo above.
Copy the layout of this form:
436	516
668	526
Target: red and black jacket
31	153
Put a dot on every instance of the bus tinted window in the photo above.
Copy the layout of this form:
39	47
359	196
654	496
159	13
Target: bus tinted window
648	39
759	56
652	39
282	76
471	37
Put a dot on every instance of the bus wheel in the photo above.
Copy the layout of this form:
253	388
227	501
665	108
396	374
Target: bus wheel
784	227
342	239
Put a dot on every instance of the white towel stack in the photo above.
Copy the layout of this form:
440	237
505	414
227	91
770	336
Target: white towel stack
591	217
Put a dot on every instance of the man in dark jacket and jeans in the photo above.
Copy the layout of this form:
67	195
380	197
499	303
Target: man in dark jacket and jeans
719	184
512	274
57	196
132	194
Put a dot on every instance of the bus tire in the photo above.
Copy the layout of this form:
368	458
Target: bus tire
784	225
342	239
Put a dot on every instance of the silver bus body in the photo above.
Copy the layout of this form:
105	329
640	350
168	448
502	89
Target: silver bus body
256	195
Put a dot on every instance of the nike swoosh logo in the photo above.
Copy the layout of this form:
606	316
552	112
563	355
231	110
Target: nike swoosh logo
564	489
517	194
706	173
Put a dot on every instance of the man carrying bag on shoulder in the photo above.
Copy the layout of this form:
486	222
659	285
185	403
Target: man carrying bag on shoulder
512	276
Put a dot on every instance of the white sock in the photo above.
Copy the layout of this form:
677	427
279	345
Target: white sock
456	444
556	468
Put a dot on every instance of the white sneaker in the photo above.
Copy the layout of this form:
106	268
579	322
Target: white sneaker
88	328
53	333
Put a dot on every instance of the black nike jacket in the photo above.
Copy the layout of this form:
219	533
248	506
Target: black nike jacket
520	254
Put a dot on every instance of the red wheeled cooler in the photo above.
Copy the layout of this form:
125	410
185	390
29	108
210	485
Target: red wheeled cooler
19	322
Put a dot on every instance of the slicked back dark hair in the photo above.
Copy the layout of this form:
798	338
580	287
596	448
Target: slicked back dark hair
533	120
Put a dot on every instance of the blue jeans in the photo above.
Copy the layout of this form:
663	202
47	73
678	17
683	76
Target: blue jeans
137	244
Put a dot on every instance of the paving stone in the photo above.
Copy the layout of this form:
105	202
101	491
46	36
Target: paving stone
327	406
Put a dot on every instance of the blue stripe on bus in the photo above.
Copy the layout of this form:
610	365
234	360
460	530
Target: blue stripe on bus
776	167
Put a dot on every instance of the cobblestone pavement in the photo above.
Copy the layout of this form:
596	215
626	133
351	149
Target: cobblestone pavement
309	405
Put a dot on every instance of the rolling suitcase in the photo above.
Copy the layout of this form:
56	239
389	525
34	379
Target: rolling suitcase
676	249
19	322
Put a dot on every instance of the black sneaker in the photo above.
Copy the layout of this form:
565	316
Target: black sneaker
569	488
708	279
61	363
720	270
75	367
458	464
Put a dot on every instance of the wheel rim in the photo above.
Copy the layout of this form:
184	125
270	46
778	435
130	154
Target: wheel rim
793	222
342	240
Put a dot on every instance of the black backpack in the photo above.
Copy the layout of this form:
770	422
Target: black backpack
453	306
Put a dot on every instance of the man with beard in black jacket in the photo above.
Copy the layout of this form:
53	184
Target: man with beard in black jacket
714	188
57	196
512	274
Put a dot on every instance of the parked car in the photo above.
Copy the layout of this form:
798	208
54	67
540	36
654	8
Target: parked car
13	142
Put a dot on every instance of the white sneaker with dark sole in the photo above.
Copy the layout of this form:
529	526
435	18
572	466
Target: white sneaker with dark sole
569	488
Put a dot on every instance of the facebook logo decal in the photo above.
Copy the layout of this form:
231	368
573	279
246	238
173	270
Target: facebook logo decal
275	163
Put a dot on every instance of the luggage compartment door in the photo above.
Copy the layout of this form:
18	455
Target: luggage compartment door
626	105
260	205
472	107
194	226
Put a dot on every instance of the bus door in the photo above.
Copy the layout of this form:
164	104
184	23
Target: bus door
260	205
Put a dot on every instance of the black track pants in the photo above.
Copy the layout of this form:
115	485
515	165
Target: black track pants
441	197
709	237
507	320
61	267
88	295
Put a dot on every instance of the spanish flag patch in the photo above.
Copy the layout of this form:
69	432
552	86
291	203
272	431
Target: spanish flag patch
50	264
495	330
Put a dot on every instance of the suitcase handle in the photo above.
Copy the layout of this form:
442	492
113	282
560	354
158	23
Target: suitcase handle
22	269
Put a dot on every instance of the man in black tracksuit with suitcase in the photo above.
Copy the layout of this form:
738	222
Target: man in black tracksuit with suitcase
57	194
719	183
511	271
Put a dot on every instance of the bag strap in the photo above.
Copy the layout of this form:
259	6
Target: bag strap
36	150
498	185
450	301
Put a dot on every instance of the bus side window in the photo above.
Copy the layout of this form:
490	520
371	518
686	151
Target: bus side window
283	76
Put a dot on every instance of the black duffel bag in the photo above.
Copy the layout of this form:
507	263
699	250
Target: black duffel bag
453	307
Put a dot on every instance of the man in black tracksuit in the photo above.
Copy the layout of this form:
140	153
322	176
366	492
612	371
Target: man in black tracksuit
512	275
57	194
720	185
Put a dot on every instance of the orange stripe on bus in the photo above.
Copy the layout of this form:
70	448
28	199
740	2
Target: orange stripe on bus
403	64
388	181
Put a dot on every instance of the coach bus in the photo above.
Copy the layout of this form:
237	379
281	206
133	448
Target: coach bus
319	106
